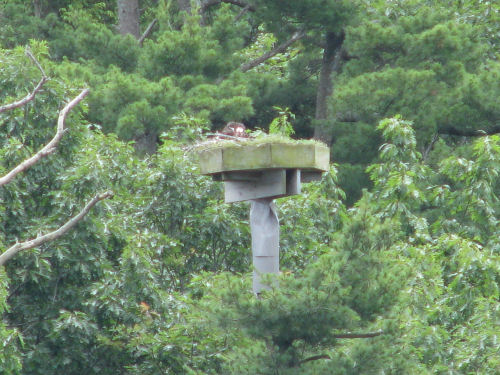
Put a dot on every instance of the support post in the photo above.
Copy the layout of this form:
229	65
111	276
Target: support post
264	226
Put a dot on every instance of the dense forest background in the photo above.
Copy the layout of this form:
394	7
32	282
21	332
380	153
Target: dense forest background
390	264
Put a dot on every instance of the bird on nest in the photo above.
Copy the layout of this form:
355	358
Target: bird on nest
231	130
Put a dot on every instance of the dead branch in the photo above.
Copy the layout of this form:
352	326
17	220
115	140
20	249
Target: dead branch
20	246
279	49
357	335
315	358
147	31
32	94
49	147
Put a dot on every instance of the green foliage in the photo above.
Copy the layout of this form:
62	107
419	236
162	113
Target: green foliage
456	276
311	306
157	280
84	36
132	105
418	61
282	124
10	340
417	66
20	29
308	222
313	14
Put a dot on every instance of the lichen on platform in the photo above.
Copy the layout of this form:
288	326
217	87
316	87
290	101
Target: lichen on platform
261	153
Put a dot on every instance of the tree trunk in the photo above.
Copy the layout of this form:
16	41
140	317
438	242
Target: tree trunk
331	63
37	8
184	6
146	143
128	17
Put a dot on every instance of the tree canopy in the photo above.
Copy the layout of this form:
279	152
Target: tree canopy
390	263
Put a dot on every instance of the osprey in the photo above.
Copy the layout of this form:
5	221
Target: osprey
235	129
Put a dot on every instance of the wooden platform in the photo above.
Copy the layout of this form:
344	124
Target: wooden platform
310	157
269	170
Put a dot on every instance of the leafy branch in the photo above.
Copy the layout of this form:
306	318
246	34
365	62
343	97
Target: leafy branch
49	147
63	229
279	49
31	95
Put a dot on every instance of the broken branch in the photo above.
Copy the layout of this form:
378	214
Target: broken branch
13	250
147	31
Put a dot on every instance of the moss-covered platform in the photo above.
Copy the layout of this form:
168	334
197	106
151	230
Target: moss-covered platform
263	168
254	156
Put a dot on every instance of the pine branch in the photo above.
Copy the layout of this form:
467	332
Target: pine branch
32	94
20	246
49	147
357	335
279	49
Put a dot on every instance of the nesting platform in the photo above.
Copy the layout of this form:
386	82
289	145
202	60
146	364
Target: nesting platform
260	172
264	170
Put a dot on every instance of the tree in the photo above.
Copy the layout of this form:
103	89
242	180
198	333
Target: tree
48	149
451	215
16	202
324	25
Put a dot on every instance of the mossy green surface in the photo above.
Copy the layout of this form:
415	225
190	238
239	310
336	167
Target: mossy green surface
259	154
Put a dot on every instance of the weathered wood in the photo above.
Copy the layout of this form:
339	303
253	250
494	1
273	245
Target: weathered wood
265	229
271	184
307	157
293	181
63	229
261	173
274	183
238	176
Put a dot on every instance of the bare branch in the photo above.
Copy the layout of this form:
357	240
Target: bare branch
279	49
20	246
357	335
469	133
49	147
32	94
315	358
35	61
429	148
147	31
